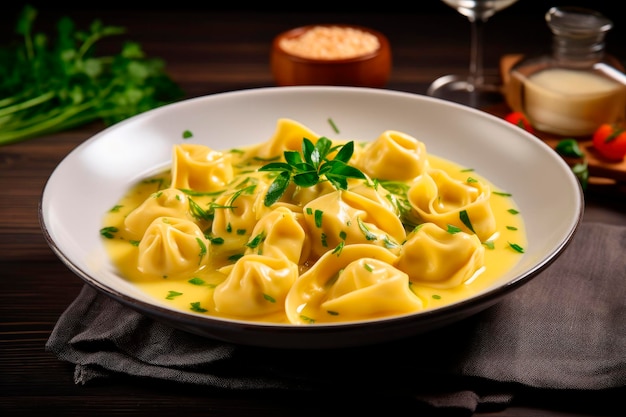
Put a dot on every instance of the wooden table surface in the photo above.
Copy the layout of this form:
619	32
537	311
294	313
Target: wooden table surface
212	51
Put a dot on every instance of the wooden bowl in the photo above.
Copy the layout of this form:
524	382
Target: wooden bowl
331	54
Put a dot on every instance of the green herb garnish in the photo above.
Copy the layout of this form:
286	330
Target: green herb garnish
109	232
172	294
516	247
464	216
311	167
197	308
52	83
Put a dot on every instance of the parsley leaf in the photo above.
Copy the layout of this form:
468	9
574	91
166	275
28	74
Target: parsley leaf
52	83
312	166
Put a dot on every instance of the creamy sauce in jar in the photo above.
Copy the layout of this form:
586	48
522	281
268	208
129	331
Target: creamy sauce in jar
572	102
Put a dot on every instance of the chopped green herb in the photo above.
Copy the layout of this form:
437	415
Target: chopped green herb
513	211
332	313
339	248
368	234
116	208
389	244
172	294
269	298
215	240
194	193
368	267
196	281
511	227
307	319
249	190
109	232
453	229
516	247
196	307
503	194
187	134
318	218
466	220
273	158
203	250
489	244
235	257
332	124
158	181
256	241
436	297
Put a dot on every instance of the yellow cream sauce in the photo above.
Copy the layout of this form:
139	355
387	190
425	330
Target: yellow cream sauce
195	293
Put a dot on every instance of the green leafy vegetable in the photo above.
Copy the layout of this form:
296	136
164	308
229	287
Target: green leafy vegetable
570	148
46	86
312	166
576	159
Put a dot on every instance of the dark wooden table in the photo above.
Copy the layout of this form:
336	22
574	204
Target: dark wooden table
212	51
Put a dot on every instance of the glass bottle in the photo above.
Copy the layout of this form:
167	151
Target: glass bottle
577	88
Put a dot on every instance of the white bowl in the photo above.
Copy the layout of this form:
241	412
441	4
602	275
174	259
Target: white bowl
95	175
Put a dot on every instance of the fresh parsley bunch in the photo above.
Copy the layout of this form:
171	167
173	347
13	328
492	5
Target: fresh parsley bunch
312	166
47	87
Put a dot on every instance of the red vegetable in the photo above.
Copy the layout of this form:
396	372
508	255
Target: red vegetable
610	141
519	119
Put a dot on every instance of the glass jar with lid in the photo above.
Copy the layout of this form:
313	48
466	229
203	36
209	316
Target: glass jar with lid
577	88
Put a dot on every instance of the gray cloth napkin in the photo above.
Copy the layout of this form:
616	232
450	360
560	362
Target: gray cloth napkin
564	330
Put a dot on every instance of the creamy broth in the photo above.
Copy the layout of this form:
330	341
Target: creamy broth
194	290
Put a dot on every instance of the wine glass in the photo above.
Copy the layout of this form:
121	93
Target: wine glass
476	89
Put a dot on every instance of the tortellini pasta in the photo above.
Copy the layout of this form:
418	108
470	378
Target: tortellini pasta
358	282
433	256
256	285
393	156
165	203
443	200
398	238
280	233
200	168
347	217
236	212
287	137
172	246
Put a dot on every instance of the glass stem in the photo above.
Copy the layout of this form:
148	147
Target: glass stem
476	75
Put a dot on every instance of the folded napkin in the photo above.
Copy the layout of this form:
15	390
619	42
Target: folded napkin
564	330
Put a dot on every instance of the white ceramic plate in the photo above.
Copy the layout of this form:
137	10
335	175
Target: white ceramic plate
96	174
